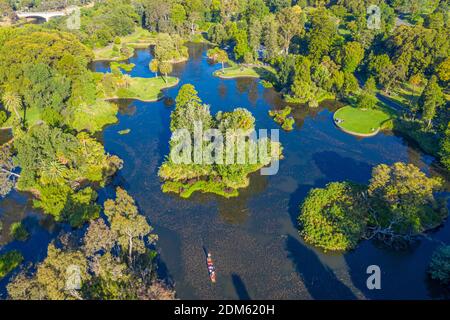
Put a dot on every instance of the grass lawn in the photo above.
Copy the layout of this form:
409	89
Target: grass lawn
108	54
145	89
361	122
238	71
140	38
32	116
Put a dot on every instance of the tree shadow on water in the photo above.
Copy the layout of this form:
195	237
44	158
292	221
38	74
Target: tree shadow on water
320	281
239	285
338	168
295	200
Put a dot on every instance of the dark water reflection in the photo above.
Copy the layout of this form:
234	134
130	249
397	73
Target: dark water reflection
253	238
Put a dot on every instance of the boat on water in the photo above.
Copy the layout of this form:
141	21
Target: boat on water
211	268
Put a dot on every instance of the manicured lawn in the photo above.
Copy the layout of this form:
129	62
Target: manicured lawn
359	121
237	71
146	89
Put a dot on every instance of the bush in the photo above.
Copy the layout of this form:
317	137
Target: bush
266	84
333	218
9	261
3	117
281	117
439	268
18	231
288	124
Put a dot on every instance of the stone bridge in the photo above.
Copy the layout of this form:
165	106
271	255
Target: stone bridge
46	15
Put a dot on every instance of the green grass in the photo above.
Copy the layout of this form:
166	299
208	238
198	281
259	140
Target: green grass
140	38
238	71
33	115
93	117
359	121
108	54
145	89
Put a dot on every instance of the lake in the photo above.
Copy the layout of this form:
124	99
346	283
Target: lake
253	238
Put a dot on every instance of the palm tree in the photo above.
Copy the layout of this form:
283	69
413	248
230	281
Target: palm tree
53	172
12	102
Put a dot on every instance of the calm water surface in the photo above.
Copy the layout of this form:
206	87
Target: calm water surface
253	238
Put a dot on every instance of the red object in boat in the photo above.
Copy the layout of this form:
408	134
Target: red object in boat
211	268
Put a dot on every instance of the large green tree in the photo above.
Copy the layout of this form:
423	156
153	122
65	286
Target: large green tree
431	99
333	218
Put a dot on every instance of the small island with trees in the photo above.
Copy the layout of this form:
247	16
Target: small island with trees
348	72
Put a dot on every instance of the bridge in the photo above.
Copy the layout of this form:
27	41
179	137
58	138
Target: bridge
46	15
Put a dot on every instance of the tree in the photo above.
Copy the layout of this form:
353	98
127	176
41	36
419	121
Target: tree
178	16
439	268
431	99
102	266
52	273
321	35
366	100
98	238
195	12
443	70
8	178
165	68
352	54
13	102
445	148
228	8
333	218
217	34
154	66
270	37
255	36
187	113
46	90
370	85
130	227
350	85
241	47
291	21
402	201
9	261
219	55
187	95
380	66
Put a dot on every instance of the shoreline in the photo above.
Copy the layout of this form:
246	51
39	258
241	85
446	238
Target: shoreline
143	100
222	76
361	135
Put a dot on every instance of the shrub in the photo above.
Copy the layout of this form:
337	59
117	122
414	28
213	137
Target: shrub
333	218
9	261
18	231
439	268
